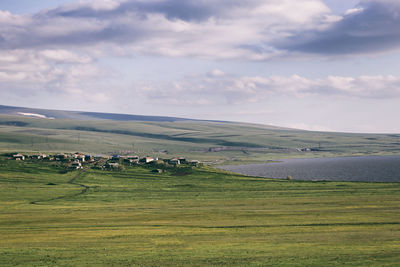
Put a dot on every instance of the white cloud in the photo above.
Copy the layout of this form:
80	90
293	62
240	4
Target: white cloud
49	75
217	73
9	19
353	11
235	90
64	56
42	67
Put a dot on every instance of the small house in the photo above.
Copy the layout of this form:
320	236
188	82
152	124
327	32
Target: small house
78	155
81	158
19	157
174	161
131	159
146	160
76	165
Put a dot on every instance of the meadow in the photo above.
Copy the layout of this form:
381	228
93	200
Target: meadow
191	217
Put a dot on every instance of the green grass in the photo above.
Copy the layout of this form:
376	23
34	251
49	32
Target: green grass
200	217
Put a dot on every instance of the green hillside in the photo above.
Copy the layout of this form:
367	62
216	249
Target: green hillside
213	142
81	115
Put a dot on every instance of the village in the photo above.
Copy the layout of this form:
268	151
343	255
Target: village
79	160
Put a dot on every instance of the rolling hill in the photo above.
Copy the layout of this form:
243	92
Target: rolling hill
26	129
81	115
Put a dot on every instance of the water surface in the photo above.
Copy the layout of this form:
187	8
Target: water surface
369	169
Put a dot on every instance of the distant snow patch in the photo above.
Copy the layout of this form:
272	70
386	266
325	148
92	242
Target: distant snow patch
35	115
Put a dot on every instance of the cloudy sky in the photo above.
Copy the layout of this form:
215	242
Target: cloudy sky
331	65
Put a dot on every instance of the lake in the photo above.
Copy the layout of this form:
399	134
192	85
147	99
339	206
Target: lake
368	169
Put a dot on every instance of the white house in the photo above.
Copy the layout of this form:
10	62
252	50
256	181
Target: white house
19	157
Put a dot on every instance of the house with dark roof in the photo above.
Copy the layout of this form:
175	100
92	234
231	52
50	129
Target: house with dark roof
19	157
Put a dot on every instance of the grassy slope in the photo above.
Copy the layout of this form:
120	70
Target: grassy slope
190	139
82	115
208	217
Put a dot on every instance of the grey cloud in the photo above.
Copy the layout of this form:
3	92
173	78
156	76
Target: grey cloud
32	36
223	29
374	26
196	10
180	9
117	23
237	28
172	9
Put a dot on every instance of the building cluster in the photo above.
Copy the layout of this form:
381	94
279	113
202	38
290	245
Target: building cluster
78	160
115	161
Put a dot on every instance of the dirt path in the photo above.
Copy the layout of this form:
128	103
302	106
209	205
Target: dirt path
85	188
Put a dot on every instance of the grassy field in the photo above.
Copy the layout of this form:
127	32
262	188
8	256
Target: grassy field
211	142
200	217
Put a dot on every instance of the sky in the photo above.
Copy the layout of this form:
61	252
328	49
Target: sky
324	65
